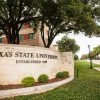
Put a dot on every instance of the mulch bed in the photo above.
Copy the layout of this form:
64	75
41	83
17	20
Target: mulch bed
16	86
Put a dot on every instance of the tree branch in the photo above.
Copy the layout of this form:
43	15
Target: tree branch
42	33
20	10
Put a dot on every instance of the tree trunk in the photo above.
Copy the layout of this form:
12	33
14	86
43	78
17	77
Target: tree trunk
49	42
11	30
9	38
17	39
12	38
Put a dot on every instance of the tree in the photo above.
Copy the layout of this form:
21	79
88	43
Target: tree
93	54
13	14
50	17
76	57
96	50
85	56
66	44
59	16
62	16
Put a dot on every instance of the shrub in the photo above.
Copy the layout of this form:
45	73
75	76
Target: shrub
28	81
59	75
76	57
62	74
43	78
65	74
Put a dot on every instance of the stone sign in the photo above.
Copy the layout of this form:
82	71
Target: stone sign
17	62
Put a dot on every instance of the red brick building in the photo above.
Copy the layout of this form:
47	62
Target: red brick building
27	36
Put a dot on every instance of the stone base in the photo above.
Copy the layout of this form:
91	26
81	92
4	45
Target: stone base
33	90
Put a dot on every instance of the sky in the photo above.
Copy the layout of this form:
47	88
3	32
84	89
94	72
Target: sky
83	41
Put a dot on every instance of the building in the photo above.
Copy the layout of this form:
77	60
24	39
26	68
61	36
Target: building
27	36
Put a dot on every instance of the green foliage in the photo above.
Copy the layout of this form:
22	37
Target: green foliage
28	81
63	16
97	49
76	57
62	74
43	78
66	44
94	54
94	2
59	16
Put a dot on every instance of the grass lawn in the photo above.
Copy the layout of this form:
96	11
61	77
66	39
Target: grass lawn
84	87
84	70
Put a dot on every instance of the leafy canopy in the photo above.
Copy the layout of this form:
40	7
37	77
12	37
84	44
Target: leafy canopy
63	16
59	16
66	44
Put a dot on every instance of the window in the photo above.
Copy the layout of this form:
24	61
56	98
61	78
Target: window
31	36
0	40
21	37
